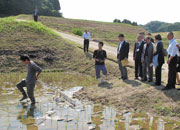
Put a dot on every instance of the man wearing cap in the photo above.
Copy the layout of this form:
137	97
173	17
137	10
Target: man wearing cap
122	54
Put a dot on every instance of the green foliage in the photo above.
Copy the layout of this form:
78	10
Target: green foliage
77	31
15	7
125	21
9	25
157	26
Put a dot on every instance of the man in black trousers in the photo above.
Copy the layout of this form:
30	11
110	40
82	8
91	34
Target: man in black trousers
36	14
122	54
138	49
173	53
160	58
87	38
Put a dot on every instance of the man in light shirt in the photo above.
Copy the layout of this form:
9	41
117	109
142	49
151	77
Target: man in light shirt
173	53
87	38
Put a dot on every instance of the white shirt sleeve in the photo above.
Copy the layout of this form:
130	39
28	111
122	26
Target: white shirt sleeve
174	49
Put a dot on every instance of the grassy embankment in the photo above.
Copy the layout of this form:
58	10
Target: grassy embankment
100	31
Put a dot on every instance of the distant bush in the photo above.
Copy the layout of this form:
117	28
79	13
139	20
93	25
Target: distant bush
125	21
77	31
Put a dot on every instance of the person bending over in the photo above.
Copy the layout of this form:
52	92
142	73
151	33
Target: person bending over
32	75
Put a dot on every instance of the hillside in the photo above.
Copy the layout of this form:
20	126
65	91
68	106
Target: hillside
101	31
44	46
15	7
157	26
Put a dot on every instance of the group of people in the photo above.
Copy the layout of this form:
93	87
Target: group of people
148	53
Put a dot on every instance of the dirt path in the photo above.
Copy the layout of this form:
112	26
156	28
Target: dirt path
111	51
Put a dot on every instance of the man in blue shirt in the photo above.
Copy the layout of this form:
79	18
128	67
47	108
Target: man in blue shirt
173	53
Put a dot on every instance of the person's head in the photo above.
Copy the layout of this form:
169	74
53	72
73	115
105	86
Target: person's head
86	31
142	34
158	37
149	34
170	35
35	9
25	59
139	38
100	45
148	40
121	37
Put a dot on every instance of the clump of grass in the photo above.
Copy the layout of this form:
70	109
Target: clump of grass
77	31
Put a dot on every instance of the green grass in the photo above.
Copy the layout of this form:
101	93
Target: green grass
9	25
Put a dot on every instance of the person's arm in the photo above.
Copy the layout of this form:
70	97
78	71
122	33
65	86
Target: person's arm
173	53
94	56
134	51
38	69
127	51
89	36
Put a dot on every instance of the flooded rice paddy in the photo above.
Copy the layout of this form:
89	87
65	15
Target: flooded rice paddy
58	109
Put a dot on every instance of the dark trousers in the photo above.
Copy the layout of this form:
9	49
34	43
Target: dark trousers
86	45
147	68
35	18
30	89
158	74
123	70
138	68
172	73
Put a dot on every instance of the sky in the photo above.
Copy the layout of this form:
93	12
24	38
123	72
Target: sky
141	11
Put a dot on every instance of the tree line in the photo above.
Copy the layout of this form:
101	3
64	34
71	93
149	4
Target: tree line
15	7
157	26
126	21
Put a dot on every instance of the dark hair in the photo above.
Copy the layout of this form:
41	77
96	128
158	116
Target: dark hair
149	34
101	43
158	37
171	33
148	38
142	33
121	35
24	58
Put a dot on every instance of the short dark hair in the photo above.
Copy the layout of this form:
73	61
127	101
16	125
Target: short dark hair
171	33
158	37
142	33
101	43
148	38
121	35
24	58
149	34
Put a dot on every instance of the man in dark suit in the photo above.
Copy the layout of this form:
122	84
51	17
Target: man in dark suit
122	54
160	58
147	60
150	35
138	49
36	14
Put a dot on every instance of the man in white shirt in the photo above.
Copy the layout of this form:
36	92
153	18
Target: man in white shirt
173	53
87	38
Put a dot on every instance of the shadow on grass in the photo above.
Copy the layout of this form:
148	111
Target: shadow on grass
105	85
134	83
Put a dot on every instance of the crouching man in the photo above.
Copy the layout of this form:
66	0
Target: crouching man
32	75
100	57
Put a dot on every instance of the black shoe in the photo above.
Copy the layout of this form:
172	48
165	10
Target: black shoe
136	78
23	98
144	80
150	81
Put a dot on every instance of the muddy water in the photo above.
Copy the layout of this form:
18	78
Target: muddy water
58	110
